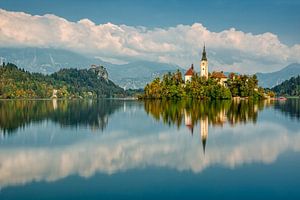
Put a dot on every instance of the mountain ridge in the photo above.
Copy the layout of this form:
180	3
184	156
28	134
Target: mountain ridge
46	60
269	80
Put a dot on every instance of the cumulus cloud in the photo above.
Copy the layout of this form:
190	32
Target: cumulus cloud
228	50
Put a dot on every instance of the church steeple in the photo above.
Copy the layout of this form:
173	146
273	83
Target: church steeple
204	54
204	64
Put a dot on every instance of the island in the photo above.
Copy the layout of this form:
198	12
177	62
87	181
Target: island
205	85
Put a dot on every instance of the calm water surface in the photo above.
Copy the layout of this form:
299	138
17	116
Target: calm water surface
115	149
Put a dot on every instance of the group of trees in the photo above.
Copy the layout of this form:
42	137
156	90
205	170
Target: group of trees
172	86
244	86
289	87
18	83
202	88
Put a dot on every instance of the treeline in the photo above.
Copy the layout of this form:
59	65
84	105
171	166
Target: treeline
289	87
172	86
69	83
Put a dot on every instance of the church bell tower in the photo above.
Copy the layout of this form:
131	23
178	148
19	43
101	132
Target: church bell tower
204	64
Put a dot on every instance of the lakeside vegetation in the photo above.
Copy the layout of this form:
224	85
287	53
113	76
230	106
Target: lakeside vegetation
70	83
172	86
289	87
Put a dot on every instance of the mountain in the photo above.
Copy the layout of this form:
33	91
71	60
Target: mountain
137	74
269	80
66	83
44	60
289	87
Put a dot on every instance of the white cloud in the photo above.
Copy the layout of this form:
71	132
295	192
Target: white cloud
228	50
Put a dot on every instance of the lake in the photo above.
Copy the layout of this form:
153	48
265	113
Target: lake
125	149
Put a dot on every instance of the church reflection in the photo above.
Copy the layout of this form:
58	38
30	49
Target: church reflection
203	128
204	132
205	113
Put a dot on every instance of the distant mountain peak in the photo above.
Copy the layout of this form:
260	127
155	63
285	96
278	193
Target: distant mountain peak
269	80
291	66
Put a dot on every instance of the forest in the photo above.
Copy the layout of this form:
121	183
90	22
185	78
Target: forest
70	83
289	87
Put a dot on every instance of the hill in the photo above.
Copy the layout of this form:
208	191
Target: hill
289	87
137	74
18	83
44	60
269	80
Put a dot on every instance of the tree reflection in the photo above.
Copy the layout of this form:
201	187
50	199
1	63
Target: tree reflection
215	113
19	113
291	107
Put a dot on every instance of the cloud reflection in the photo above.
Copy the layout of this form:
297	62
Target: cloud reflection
119	151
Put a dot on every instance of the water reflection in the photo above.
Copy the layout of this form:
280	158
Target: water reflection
231	134
216	113
92	114
95	114
290	107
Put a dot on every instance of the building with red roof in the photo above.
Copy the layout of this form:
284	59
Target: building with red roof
222	78
189	74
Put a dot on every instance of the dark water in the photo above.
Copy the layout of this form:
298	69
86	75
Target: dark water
114	149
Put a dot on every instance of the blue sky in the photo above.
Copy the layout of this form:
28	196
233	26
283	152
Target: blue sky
281	17
243	36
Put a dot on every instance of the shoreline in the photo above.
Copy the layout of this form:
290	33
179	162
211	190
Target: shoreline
136	98
49	99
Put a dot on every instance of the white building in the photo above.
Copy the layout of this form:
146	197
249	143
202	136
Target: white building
189	74
204	64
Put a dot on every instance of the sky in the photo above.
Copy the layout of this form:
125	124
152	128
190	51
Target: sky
244	36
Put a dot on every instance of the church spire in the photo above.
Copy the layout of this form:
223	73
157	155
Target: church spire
204	54
204	145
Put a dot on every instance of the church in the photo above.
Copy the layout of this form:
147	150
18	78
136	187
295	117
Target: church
204	71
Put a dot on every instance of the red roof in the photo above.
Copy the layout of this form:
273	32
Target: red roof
190	71
218	75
